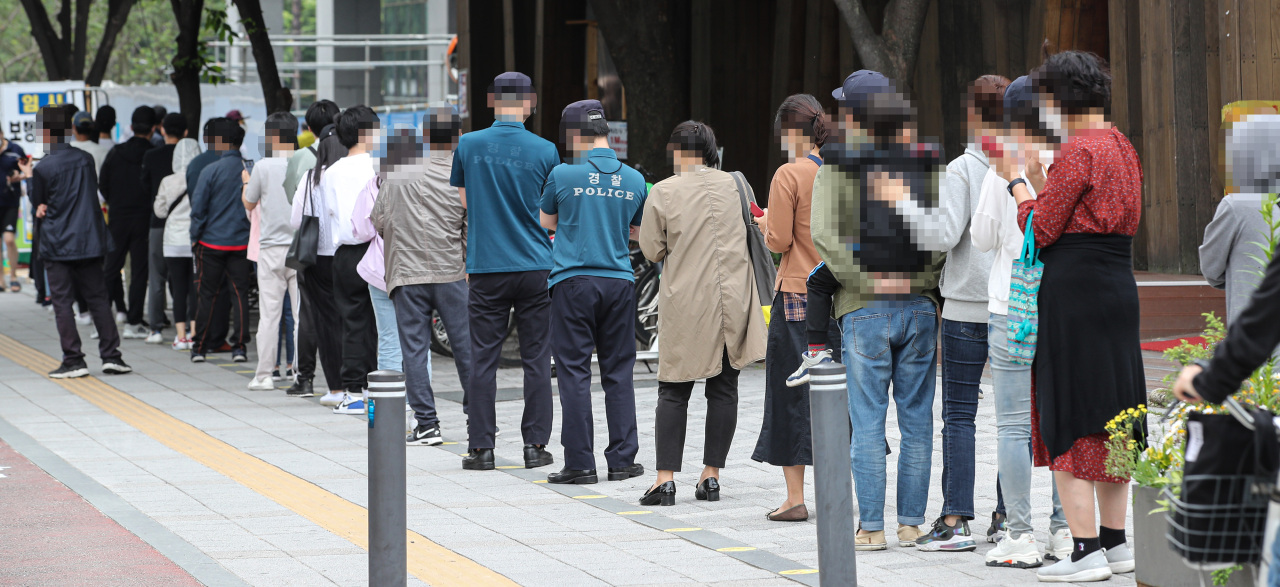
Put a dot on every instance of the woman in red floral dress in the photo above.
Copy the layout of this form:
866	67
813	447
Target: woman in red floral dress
1088	364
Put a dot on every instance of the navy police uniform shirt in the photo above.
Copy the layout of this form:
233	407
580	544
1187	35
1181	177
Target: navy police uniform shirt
597	201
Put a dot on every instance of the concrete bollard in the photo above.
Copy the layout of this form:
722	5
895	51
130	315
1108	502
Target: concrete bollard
832	475
388	557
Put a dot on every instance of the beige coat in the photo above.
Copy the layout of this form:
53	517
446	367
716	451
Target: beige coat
707	301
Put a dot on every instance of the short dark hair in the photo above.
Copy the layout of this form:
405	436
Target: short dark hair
174	125
803	112
56	120
143	121
986	97
226	129
1078	81
695	136
161	112
441	126
353	120
320	114
403	146
283	126
105	119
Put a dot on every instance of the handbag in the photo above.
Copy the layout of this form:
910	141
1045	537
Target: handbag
761	261
306	241
1024	310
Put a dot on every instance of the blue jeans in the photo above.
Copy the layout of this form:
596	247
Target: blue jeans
891	342
1012	384
964	353
286	334
384	312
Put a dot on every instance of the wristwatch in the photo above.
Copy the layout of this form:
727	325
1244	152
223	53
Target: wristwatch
1015	182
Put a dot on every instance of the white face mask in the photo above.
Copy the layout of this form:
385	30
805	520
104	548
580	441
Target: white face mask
1051	117
1046	157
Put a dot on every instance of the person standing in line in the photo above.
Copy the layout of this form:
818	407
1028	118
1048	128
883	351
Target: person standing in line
424	231
220	237
85	139
129	203
218	330
802	129
104	122
157	164
10	199
593	292
340	185
499	172
264	192
73	241
403	152
157	136
173	204
709	315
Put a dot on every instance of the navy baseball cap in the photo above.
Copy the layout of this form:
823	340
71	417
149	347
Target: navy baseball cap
511	82
861	83
582	112
1018	93
83	122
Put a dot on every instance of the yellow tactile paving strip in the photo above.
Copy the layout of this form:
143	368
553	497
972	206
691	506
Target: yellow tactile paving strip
428	561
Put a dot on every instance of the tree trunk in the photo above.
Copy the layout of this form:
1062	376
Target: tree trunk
653	63
186	63
893	51
64	56
81	45
273	93
51	47
118	15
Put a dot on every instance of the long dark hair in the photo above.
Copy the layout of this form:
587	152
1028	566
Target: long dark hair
802	111
697	137
328	151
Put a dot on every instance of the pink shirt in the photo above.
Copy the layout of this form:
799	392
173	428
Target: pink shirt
372	267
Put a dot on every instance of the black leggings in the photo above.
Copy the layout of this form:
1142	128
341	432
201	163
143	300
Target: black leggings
822	286
184	296
672	415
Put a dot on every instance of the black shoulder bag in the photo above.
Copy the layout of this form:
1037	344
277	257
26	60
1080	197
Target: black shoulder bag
306	241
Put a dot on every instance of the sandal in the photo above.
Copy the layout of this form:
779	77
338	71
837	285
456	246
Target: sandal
14	286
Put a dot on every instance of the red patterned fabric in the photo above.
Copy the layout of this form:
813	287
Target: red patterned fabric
1095	187
1087	458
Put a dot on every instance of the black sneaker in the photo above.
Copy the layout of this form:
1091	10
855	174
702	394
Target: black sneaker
70	371
275	374
300	388
238	356
944	538
996	531
115	367
423	435
197	357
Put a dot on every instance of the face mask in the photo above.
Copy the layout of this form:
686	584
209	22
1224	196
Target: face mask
1051	117
1046	157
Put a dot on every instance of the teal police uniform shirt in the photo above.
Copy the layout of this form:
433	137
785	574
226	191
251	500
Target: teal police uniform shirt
503	169
597	202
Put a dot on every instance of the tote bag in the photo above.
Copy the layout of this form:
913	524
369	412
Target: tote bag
1024	288
306	241
761	261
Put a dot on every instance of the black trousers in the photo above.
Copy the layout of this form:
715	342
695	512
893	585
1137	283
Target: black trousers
672	415
595	313
822	286
492	296
319	331
131	236
181	271
85	276
359	335
214	268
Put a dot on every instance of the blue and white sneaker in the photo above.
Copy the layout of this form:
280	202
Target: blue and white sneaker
807	361
944	538
349	405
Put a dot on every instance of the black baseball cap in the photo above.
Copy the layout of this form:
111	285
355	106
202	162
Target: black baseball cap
861	84
511	82
586	116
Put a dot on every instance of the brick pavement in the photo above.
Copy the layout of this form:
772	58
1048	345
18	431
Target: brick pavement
530	532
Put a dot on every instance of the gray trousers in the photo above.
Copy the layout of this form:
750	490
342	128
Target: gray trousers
414	304
157	275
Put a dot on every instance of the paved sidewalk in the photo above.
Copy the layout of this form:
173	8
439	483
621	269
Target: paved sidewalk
202	485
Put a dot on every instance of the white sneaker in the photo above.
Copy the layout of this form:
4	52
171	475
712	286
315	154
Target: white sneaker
350	405
262	384
1093	567
83	318
181	344
134	331
94	334
1022	552
332	398
807	360
121	317
1120	559
1060	546
155	338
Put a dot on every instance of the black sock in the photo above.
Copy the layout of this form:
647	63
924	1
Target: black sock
1084	547
1110	537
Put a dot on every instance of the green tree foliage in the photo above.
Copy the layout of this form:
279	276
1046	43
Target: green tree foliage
142	50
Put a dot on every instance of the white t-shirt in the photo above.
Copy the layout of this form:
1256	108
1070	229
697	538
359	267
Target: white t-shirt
995	227
312	205
340	185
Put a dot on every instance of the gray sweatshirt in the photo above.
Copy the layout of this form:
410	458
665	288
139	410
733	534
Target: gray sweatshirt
946	228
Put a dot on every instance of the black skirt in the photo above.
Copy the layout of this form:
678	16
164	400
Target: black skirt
1088	364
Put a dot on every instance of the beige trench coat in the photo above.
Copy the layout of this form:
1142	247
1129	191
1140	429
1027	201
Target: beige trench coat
707	301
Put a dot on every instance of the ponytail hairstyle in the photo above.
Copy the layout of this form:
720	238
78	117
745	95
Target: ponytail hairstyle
986	97
803	112
328	151
697	137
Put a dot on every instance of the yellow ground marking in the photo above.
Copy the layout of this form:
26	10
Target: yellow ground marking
510	467
590	496
682	529
447	443
798	572
434	564
540	481
246	371
635	513
735	549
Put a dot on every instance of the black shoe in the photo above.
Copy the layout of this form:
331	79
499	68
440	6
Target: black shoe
479	459
425	435
708	490
574	476
664	494
70	371
624	473
197	357
536	456
997	527
275	374
115	367
301	388
238	356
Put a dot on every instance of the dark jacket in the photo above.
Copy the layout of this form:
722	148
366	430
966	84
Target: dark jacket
73	227
156	165
217	213
1249	342
197	165
121	180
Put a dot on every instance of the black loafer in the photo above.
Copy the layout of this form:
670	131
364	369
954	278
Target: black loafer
664	494
574	476
301	388
708	490
624	473
536	456
479	459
